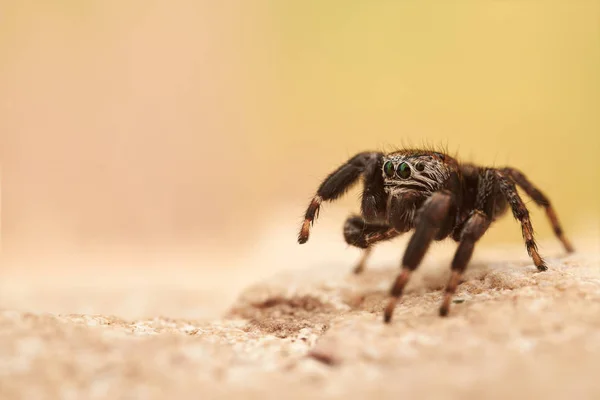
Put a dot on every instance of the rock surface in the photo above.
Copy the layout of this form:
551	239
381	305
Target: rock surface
512	332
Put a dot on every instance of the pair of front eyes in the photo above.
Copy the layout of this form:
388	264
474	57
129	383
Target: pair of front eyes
402	171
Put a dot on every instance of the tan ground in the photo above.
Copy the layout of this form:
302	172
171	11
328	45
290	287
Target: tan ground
317	332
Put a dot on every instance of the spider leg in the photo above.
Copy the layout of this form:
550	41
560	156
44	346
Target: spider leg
542	201
364	235
335	185
521	213
432	216
472	231
475	227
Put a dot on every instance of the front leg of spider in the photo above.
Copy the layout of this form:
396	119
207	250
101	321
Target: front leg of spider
476	225
432	216
335	185
472	231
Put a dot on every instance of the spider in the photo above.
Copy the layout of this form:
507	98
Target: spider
438	197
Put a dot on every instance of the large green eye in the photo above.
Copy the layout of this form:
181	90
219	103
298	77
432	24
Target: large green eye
403	171
388	169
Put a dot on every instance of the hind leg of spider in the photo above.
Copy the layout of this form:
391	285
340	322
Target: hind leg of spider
472	231
433	215
541	200
363	234
334	186
521	213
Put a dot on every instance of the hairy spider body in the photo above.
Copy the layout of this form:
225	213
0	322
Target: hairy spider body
435	196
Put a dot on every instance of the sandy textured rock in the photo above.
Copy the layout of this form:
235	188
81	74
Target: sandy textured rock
511	332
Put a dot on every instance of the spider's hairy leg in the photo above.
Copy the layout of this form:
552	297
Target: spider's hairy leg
431	217
472	231
363	234
475	226
521	213
541	200
335	185
360	266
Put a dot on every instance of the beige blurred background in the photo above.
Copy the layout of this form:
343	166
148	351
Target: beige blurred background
178	142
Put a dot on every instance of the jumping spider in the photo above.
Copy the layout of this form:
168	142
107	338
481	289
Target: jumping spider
435	195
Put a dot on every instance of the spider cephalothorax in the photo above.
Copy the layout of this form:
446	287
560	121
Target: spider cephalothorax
437	197
404	172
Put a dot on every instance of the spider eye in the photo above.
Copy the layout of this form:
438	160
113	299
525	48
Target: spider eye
420	167
403	171
388	169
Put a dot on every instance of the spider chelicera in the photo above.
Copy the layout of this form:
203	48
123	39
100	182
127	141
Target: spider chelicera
436	196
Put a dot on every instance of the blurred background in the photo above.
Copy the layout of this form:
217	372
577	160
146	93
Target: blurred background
175	144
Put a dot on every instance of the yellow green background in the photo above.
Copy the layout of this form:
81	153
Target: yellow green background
149	123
